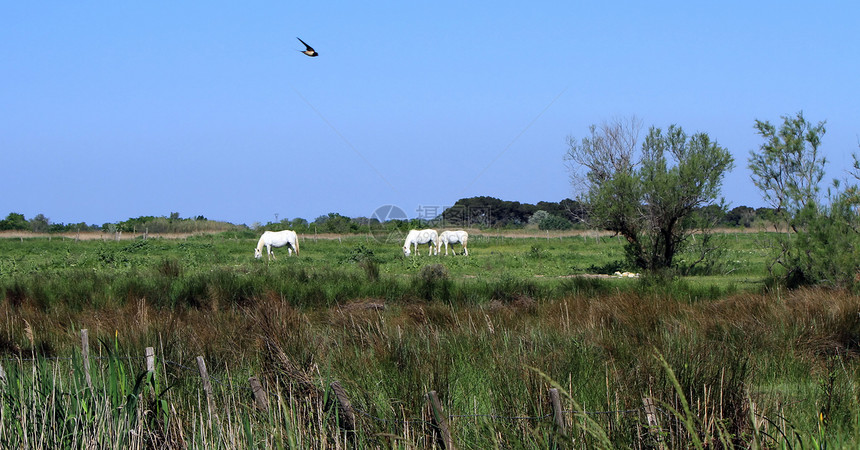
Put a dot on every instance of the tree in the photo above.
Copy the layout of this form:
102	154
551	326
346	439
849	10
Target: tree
553	222
14	221
647	195
538	217
299	223
788	168
766	214
40	223
335	223
741	216
821	245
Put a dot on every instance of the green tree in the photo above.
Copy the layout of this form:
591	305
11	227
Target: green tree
647	194
825	249
553	222
299	224
334	223
741	216
40	223
14	221
538	217
788	167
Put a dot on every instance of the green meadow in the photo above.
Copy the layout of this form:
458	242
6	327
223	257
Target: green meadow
727	360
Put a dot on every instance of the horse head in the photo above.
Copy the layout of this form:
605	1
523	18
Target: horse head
257	253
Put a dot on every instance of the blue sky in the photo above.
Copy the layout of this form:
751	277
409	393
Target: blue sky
111	110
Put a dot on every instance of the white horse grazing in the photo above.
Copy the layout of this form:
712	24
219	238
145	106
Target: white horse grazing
416	237
450	238
271	239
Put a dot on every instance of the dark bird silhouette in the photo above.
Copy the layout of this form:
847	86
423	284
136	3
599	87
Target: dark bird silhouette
309	51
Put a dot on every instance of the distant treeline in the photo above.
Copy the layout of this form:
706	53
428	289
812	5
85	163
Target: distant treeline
142	224
473	212
568	213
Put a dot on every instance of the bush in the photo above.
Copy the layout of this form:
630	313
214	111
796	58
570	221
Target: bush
552	222
538	217
825	249
432	282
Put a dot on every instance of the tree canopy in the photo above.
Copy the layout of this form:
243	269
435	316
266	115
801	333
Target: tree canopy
648	194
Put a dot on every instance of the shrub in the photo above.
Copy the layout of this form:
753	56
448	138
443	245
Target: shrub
538	217
553	222
432	282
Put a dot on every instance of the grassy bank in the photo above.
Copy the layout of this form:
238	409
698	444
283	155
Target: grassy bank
490	333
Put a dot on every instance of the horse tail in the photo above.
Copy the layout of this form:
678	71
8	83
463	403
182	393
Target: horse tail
297	243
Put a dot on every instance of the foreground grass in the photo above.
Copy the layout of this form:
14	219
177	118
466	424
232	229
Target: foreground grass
491	333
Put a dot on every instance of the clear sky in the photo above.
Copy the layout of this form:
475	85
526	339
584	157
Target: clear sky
112	110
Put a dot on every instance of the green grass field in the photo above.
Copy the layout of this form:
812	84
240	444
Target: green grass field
728	363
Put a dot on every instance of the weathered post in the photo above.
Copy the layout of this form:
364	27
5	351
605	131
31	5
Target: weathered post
260	397
85	355
653	423
440	421
150	359
557	415
207	386
345	413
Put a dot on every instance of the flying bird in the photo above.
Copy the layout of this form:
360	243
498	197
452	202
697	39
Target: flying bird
309	51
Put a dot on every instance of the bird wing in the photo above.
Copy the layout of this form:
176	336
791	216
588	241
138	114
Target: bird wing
303	42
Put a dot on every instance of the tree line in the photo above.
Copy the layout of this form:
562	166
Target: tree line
150	224
473	212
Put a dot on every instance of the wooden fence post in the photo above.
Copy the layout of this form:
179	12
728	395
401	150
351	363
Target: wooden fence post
345	413
207	386
557	415
653	423
150	359
85	355
440	421
260	396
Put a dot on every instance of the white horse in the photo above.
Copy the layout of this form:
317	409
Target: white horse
416	237
271	239
450	238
